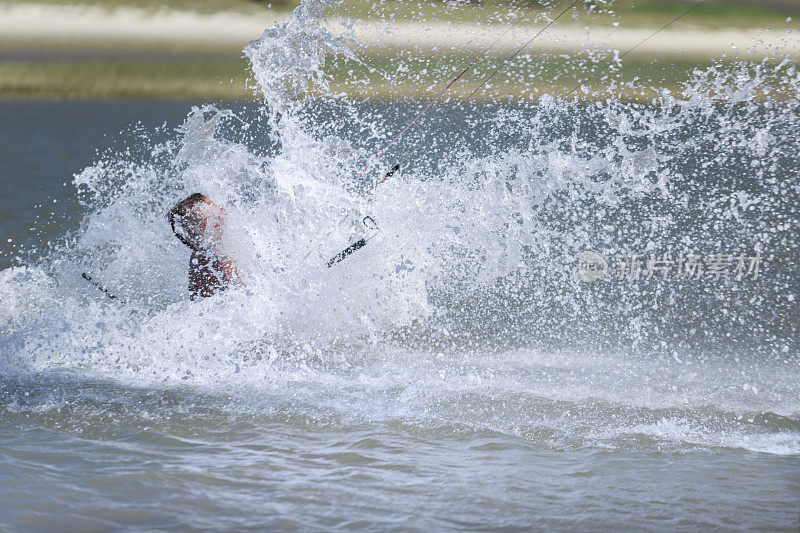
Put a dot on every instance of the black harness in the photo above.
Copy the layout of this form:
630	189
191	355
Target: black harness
178	234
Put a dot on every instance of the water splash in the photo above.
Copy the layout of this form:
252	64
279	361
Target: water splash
287	61
469	292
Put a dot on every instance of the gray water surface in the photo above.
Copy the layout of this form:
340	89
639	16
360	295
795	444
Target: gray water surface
42	144
100	456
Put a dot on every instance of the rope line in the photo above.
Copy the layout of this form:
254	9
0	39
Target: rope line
523	47
397	137
490	76
436	98
637	45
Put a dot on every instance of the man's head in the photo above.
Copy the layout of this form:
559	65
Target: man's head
197	222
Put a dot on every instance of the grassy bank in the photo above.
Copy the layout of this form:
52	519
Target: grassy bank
226	78
209	70
186	79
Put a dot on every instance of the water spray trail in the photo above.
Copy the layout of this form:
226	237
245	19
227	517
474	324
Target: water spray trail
369	165
486	80
477	58
523	47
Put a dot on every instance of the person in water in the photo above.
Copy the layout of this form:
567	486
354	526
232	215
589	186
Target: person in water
200	224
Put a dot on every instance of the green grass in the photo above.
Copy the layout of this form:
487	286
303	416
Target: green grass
218	76
714	14
203	80
719	8
628	13
226	78
528	77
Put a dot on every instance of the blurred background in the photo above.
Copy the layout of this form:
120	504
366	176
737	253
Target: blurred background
191	49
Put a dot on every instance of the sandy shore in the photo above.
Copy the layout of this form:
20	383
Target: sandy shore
46	25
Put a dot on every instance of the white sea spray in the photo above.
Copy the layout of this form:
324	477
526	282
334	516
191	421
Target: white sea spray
468	288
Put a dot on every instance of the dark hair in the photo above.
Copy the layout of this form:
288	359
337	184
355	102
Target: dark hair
180	210
182	207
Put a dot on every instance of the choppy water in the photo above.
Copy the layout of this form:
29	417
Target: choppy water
459	372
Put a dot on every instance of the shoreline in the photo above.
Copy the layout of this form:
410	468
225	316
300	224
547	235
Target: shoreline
90	52
228	81
48	24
